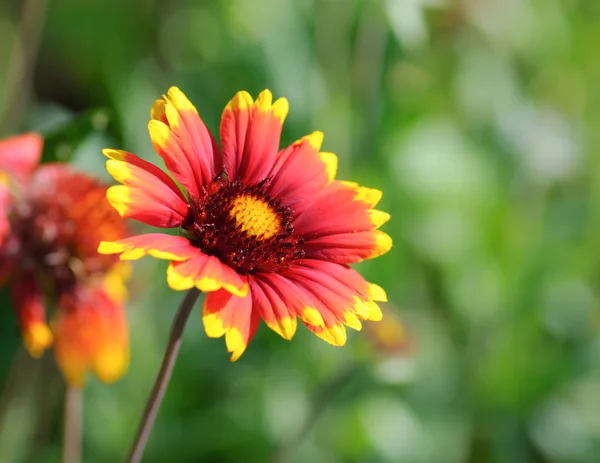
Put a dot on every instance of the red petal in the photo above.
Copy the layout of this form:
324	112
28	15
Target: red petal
5	203
157	245
272	304
299	173
340	227
147	193
91	335
20	155
339	295
232	316
28	301
250	132
180	137
207	273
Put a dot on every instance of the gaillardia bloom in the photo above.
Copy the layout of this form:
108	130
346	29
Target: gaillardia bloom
51	222
268	233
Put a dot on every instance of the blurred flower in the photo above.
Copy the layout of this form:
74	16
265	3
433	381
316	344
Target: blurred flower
395	347
51	222
390	336
267	233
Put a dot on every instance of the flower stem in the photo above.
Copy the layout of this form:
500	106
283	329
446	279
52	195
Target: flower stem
163	377
73	426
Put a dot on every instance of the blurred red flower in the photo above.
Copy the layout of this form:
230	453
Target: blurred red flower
52	219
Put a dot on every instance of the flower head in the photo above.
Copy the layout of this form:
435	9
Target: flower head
268	233
51	222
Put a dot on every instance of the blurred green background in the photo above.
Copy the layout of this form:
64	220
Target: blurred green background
477	118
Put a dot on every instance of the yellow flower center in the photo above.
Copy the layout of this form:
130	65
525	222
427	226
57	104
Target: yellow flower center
255	217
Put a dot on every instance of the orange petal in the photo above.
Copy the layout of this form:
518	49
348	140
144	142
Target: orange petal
91	335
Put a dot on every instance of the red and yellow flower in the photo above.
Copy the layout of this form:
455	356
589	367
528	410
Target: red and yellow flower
51	222
267	233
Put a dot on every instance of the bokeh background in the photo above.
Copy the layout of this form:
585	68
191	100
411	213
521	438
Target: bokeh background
479	119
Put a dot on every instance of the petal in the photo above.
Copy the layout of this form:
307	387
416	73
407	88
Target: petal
132	159
272	305
207	273
5	204
300	172
350	247
114	281
390	336
232	316
147	193
187	147
157	245
339	295
20	155
77	204
346	232
28	301
250	132
369	196
334	334
90	335
296	298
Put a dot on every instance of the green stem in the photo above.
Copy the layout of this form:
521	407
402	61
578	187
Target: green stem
73	426
164	376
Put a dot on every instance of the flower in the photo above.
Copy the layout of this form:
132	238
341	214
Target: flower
268	233
390	337
51	222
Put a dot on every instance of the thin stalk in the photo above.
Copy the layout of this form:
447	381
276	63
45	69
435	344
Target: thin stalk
164	376
73	426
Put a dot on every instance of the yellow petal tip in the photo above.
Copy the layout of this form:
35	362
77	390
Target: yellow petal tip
335	335
111	364
37	339
331	164
280	109
312	316
235	343
117	155
180	101
383	243
315	139
378	218
377	293
285	327
213	326
241	101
